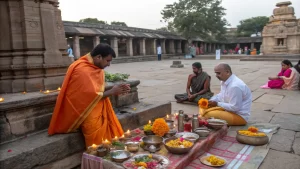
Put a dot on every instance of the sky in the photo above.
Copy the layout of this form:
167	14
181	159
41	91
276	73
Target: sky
146	13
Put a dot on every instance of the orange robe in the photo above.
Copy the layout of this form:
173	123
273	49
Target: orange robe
80	104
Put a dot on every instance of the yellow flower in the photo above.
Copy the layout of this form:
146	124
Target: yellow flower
147	127
160	127
134	108
142	164
250	133
215	160
150	155
203	103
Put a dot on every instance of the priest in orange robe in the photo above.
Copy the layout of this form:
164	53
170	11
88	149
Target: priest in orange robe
83	102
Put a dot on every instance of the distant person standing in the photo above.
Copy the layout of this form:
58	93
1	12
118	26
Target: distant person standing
159	52
70	53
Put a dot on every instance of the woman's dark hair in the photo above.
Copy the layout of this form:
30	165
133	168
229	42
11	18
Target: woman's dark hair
299	62
287	62
104	50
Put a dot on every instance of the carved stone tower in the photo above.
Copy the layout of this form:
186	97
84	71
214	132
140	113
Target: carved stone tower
32	46
282	34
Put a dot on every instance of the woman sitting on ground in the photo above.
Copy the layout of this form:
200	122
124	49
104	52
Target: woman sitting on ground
287	78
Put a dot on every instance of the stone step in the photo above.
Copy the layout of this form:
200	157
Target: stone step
22	114
37	150
269	59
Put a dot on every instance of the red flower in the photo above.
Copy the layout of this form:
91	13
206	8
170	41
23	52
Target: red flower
9	150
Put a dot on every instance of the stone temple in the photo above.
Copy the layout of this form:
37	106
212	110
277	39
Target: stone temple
282	34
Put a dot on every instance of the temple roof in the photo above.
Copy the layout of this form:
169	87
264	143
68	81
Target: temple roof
78	28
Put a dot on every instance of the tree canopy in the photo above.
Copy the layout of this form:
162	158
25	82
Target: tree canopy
92	20
118	23
197	18
252	25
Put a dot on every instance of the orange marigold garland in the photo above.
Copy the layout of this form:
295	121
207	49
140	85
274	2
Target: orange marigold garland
160	127
203	103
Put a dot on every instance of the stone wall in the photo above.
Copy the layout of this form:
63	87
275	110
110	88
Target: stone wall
24	114
32	46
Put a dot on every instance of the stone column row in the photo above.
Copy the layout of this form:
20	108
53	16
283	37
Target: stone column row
173	46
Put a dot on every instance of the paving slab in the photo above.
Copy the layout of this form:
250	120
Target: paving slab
297	135
282	140
261	106
296	146
287	121
256	95
269	99
280	160
289	104
260	116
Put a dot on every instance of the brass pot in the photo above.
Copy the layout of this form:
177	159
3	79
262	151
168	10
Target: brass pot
152	140
178	150
252	140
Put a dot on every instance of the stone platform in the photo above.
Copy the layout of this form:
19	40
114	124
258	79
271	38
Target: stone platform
292	58
38	149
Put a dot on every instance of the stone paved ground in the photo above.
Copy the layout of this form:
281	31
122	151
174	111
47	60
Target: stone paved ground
159	82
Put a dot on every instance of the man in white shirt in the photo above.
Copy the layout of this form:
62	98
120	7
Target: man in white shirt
233	103
159	52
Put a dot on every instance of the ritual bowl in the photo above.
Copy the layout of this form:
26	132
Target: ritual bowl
202	132
188	135
153	140
252	140
175	150
132	146
102	151
149	133
216	123
170	123
119	155
171	133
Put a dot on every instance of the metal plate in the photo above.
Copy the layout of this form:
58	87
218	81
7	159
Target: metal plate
204	161
164	161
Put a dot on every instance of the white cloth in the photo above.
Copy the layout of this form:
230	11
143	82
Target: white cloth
159	50
235	96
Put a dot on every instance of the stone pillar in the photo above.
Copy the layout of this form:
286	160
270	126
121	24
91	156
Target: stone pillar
210	48
214	51
154	47
33	53
142	47
171	47
76	46
252	46
163	46
114	45
205	47
223	47
178	48
129	49
96	40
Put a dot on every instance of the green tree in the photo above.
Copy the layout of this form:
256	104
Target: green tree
92	20
197	18
168	28
118	23
252	25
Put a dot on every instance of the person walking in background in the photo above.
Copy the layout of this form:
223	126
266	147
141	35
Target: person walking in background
70	53
159	52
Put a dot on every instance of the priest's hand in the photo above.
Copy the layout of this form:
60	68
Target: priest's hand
121	89
212	104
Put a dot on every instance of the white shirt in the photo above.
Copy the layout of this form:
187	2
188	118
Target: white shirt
159	50
235	97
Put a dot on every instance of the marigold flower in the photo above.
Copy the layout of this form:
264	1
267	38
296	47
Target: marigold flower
253	129
160	127
203	103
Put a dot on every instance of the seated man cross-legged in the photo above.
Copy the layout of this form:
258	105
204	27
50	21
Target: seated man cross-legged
233	103
198	86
